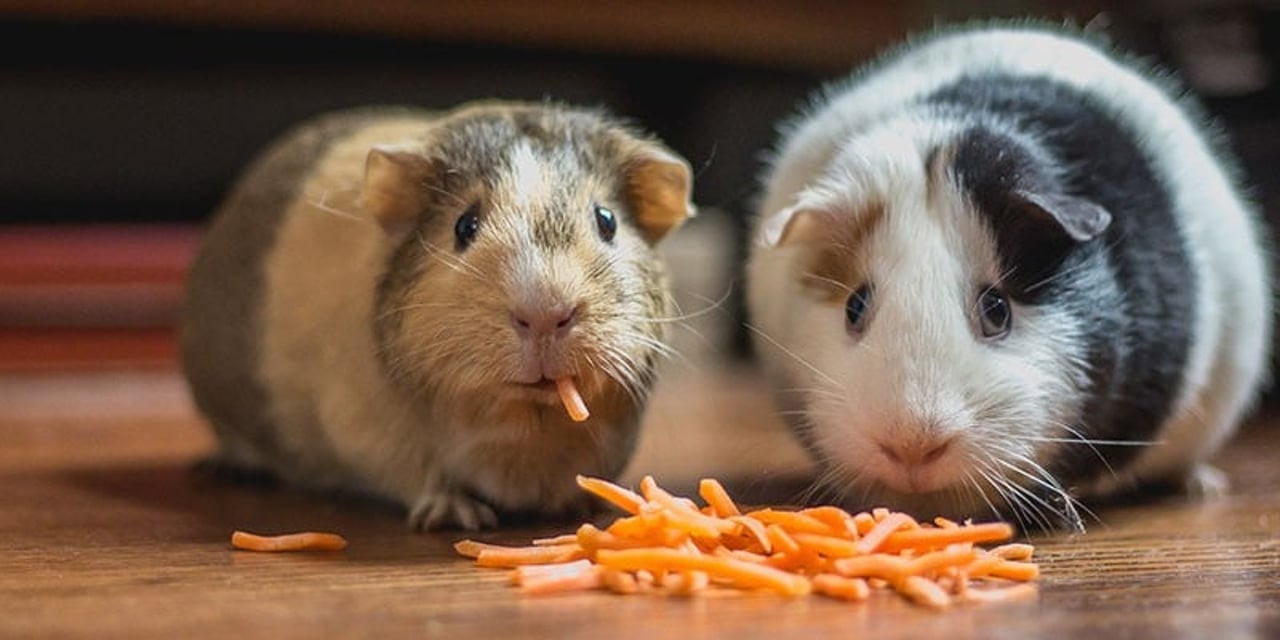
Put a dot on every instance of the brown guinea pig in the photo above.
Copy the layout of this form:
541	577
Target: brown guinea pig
389	300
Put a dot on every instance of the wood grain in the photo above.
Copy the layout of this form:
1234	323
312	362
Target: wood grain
105	532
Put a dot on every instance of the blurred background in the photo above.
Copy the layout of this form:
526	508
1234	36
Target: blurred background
123	122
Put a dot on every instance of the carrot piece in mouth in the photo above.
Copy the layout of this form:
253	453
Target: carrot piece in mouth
573	402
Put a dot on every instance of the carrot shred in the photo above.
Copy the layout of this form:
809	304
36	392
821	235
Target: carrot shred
717	498
303	541
924	592
793	521
927	538
671	544
515	556
572	400
624	499
841	587
744	573
885	527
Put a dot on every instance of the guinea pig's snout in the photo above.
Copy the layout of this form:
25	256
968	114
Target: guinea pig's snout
916	463
536	322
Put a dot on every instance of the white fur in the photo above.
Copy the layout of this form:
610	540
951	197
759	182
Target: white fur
918	354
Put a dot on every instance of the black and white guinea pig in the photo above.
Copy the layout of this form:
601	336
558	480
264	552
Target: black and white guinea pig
1001	270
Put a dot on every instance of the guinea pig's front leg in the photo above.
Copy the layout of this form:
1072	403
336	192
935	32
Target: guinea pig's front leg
441	504
1206	481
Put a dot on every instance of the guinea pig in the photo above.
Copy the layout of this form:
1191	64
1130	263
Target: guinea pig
1004	270
394	302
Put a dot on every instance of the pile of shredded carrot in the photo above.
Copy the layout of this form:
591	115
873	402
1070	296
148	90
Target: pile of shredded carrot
668	544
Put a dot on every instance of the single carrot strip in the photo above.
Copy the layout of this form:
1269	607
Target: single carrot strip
792	521
619	581
937	560
879	534
591	539
841	587
524	573
864	522
931	538
757	530
745	556
982	565
735	571
568	538
1013	551
923	591
516	556
304	541
1021	571
1002	594
829	546
624	499
838	519
782	542
572	400
715	495
587	578
877	565
472	548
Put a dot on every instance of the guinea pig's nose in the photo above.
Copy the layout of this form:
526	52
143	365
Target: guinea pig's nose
917	453
544	321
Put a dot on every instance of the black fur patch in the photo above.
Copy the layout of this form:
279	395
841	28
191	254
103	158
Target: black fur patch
1132	288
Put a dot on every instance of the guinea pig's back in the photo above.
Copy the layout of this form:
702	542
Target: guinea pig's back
222	325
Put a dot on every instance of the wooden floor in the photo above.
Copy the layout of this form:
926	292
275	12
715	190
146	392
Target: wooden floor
104	532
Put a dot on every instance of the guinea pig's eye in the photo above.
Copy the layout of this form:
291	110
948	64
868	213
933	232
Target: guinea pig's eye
466	227
855	309
606	223
994	313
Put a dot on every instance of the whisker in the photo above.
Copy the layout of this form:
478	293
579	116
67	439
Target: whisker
792	354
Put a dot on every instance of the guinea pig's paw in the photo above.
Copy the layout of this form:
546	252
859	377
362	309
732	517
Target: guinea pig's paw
447	508
1206	481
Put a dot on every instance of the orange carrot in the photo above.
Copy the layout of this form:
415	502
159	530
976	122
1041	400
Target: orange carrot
926	537
495	556
1011	570
793	521
674	545
736	571
713	492
304	541
839	520
829	546
841	587
925	592
572	576
572	400
878	534
781	540
624	499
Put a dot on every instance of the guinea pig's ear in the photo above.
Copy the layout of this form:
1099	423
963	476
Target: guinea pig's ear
1080	219
794	224
394	181
659	186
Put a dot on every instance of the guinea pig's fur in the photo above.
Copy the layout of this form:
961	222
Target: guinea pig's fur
344	330
1003	269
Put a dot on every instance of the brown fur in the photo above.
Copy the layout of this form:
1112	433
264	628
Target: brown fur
387	355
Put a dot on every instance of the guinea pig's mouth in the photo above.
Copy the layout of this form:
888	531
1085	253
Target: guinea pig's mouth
542	391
